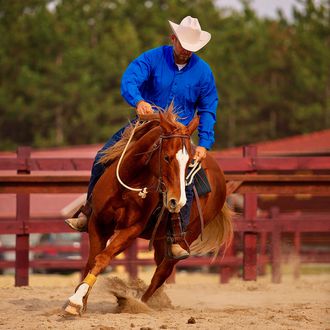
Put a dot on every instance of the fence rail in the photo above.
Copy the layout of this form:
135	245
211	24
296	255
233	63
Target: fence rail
250	183
249	175
229	164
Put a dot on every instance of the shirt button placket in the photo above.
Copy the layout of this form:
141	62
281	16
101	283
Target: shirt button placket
174	86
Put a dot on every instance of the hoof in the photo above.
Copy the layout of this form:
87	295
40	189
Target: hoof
74	309
77	303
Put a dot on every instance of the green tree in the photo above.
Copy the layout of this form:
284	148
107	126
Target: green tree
61	63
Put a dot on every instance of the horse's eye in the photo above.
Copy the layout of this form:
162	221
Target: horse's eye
167	158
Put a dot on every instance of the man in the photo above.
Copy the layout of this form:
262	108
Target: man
158	77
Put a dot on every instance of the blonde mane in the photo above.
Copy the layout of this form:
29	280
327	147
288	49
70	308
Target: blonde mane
141	128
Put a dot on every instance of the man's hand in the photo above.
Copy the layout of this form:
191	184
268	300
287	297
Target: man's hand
143	108
200	153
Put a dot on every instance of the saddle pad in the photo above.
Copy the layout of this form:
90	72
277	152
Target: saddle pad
202	183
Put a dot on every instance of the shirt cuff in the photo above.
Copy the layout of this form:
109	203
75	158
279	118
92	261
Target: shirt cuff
205	143
137	100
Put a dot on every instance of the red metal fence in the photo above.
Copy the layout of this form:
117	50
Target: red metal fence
250	175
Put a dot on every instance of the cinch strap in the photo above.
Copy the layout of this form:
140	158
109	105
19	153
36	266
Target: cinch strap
90	279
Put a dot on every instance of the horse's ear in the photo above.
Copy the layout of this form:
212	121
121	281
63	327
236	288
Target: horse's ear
193	125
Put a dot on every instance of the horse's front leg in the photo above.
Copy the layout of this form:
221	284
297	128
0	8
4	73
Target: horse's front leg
77	303
163	271
166	265
119	241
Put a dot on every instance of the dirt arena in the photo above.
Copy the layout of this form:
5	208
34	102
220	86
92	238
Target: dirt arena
196	301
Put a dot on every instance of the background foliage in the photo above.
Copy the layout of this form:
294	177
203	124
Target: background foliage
61	63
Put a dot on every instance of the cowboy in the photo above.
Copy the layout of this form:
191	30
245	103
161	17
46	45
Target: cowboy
158	77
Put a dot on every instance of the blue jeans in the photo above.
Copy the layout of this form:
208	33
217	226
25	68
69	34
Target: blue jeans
98	168
185	211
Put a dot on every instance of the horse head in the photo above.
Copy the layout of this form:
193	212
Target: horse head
175	153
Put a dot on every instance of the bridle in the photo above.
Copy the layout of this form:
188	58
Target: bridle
161	187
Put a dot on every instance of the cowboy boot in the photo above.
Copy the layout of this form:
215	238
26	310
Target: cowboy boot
79	221
176	250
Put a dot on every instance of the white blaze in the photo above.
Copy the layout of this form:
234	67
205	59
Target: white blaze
182	157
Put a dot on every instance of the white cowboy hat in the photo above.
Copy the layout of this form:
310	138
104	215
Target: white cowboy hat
190	34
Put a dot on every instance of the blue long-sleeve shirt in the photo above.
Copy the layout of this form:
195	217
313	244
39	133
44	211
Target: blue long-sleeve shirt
155	78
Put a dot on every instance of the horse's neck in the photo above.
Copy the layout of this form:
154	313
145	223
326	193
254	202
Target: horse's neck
145	143
137	155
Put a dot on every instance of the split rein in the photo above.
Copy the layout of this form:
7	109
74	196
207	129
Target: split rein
142	192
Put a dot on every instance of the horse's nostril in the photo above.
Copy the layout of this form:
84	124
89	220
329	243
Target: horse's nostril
172	203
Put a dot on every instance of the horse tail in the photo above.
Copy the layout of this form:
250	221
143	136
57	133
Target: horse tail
217	233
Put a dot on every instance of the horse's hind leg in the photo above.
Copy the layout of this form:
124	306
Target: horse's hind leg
97	242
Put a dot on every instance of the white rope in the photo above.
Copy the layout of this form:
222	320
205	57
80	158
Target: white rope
142	192
196	166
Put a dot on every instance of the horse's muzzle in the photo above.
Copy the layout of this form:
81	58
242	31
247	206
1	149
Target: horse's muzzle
174	206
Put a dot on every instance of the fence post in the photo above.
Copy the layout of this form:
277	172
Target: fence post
84	251
130	260
226	271
276	246
297	246
250	237
263	253
22	245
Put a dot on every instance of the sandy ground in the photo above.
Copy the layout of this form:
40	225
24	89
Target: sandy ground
301	304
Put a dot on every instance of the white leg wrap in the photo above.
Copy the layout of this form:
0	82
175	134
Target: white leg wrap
77	298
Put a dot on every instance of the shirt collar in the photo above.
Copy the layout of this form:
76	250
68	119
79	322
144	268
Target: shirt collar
170	59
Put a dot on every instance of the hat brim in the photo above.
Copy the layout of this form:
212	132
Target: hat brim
205	37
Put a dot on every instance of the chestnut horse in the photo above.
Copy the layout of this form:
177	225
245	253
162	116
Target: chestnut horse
152	159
